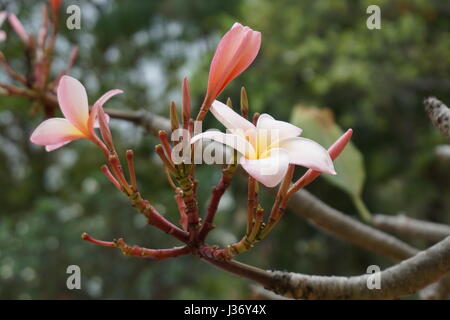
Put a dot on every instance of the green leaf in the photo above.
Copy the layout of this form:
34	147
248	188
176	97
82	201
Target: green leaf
320	126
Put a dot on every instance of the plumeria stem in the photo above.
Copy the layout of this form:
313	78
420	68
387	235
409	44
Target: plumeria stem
334	152
217	193
116	169
279	205
181	208
136	251
252	202
110	177
187	185
131	169
155	218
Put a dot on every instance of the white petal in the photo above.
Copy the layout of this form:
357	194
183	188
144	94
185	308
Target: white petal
231	140
279	129
269	171
308	153
231	120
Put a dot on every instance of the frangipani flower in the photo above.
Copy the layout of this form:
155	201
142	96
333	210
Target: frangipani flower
77	123
268	148
235	52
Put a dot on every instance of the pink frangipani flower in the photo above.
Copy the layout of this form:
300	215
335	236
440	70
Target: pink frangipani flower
235	52
268	148
77	123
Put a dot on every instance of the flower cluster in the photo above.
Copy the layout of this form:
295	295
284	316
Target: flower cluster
267	149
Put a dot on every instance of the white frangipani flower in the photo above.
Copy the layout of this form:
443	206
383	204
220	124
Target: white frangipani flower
268	148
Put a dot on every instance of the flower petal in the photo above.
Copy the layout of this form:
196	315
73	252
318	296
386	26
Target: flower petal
270	170
73	101
243	57
56	146
93	117
225	51
232	120
55	131
231	140
281	129
308	153
236	51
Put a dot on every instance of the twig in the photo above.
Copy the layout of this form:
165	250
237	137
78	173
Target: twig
141	252
156	219
216	196
406	226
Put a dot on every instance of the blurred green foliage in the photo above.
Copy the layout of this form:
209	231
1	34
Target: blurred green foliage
314	52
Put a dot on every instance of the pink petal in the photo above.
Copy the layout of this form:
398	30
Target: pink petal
269	171
18	27
96	123
235	52
231	140
226	49
99	103
73	101
243	57
106	96
232	120
309	154
55	131
2	35
280	130
56	146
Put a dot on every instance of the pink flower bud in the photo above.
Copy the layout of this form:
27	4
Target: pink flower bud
235	52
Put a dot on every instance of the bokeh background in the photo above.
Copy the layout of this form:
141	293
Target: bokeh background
314	53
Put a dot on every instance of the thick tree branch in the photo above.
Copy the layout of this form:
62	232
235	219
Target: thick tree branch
406	226
403	279
342	226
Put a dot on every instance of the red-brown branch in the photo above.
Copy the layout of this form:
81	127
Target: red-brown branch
137	251
217	194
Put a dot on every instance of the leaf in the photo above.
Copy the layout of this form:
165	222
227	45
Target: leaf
319	125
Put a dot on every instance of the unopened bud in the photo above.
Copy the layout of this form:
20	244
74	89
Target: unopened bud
244	103
186	107
229	103
174	123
